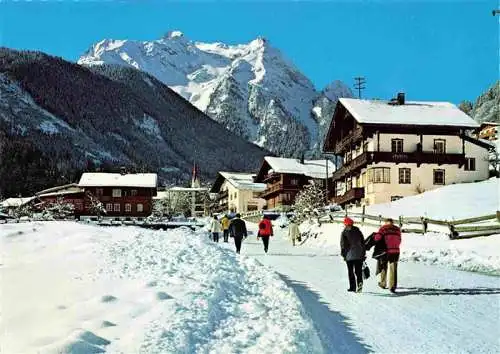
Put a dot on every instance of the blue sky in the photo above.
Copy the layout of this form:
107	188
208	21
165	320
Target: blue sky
432	50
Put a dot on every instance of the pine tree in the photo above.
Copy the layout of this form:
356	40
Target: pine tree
308	200
96	207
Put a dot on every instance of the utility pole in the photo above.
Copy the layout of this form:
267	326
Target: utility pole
326	180
360	84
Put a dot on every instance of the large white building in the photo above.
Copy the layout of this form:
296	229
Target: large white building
237	193
392	149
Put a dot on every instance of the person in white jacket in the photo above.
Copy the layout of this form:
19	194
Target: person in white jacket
293	231
215	229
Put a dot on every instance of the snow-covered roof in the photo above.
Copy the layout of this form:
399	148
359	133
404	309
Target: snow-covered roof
243	181
188	189
411	113
15	202
60	190
310	168
101	179
64	192
5	216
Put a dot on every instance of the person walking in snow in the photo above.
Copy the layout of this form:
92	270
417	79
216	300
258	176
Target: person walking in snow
238	231
265	231
390	236
293	231
225	227
215	229
379	252
352	248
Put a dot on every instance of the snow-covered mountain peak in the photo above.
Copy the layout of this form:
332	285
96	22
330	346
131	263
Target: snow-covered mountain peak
252	89
336	89
174	34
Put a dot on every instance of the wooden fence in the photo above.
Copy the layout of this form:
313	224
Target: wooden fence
485	225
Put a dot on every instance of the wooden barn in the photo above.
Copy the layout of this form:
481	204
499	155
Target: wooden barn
123	195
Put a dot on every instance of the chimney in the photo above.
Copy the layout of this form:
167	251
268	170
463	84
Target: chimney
401	98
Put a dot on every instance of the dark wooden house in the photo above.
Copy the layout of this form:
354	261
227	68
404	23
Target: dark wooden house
123	195
285	178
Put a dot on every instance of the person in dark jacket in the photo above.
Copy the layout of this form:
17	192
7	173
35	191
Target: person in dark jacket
379	252
352	247
265	231
238	231
390	235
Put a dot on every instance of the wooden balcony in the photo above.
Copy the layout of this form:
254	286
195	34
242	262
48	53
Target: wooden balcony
222	195
278	188
272	189
352	166
346	142
349	196
271	177
418	158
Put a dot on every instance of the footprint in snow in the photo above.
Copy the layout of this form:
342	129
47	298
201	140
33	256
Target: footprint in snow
106	324
163	296
108	298
84	342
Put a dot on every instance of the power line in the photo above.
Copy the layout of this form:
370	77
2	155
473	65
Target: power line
360	84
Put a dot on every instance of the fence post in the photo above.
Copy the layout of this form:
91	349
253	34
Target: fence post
453	233
424	224
380	219
400	221
363	214
498	215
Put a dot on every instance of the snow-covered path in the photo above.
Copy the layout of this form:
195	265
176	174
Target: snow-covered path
69	287
437	310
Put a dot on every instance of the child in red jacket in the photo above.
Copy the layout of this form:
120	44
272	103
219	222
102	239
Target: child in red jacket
391	235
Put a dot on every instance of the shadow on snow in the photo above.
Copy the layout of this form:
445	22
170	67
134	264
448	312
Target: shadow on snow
333	330
438	292
272	254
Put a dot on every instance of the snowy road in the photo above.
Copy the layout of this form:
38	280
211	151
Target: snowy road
437	310
76	288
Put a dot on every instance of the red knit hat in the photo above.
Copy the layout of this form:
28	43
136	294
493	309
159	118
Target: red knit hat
348	222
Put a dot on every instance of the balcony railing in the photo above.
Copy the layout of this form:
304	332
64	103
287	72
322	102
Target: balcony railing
352	166
222	195
349	139
396	157
270	177
349	196
277	188
271	189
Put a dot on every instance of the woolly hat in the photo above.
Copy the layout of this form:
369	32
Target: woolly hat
348	222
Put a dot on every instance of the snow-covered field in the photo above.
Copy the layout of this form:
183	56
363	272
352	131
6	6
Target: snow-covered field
74	288
453	202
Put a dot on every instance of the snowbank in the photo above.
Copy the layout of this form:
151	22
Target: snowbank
457	201
71	287
475	254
